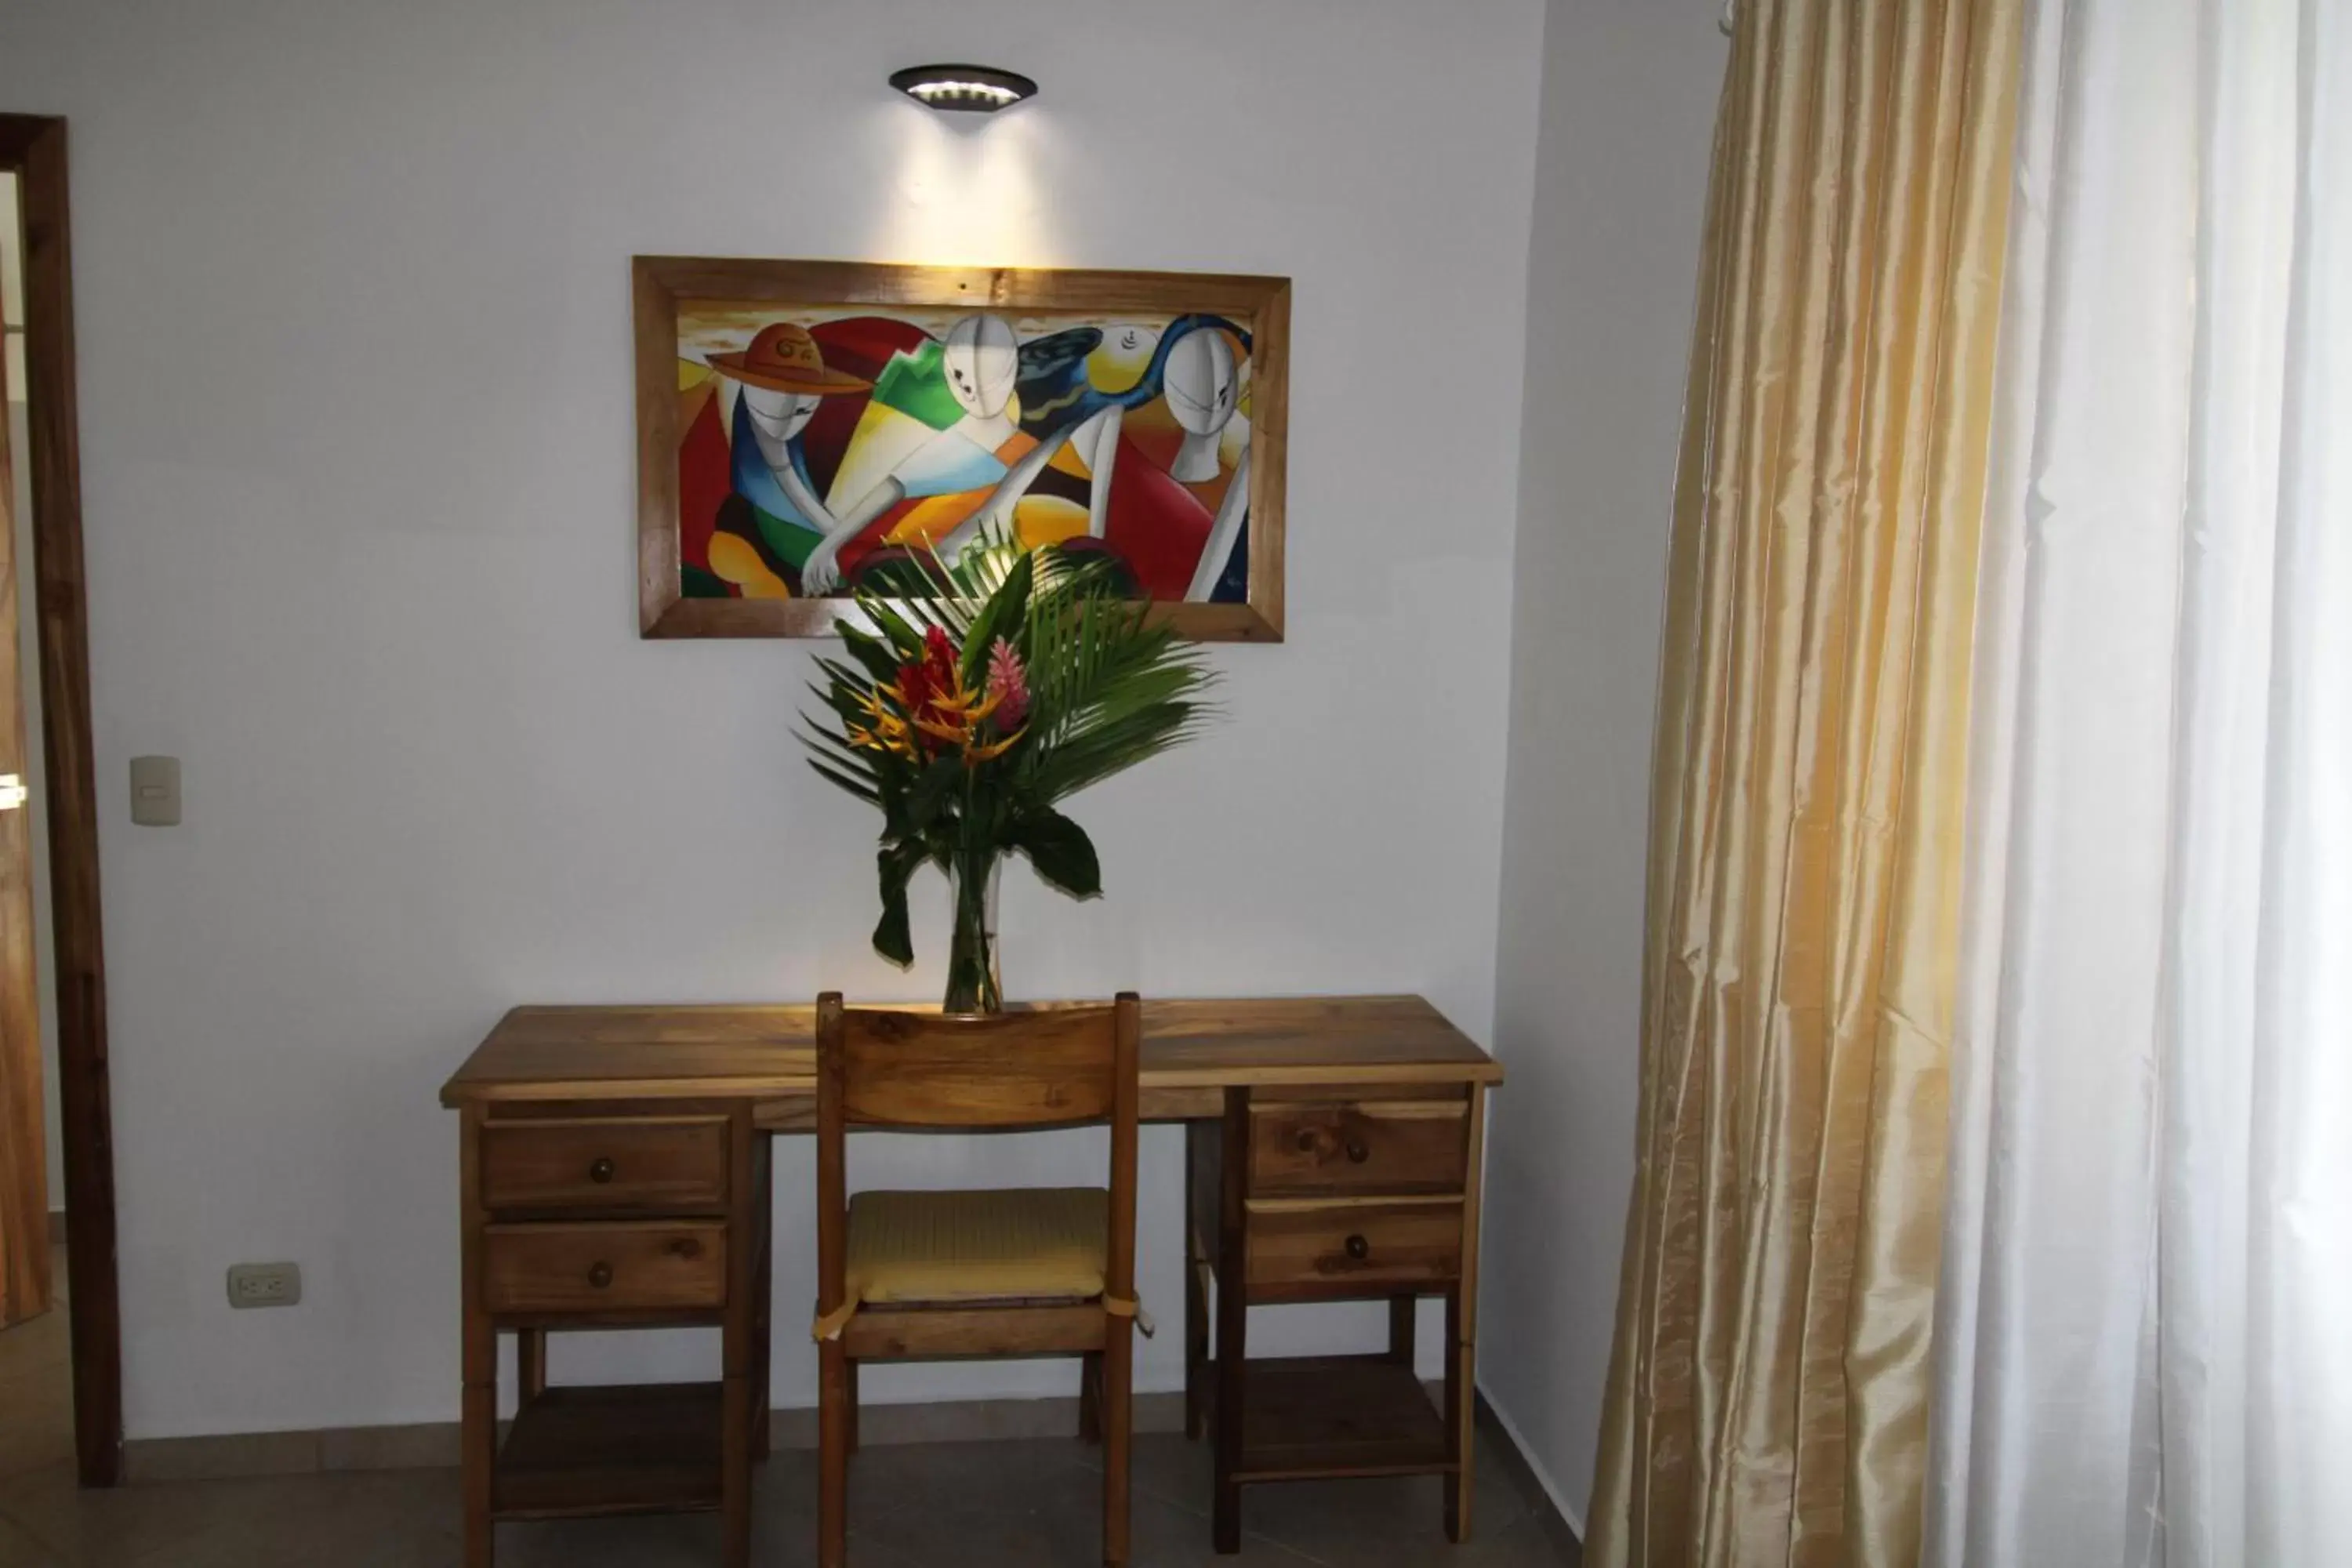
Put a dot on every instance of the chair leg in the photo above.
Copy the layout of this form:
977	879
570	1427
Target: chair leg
1091	1374
1118	1435
832	1455
850	1383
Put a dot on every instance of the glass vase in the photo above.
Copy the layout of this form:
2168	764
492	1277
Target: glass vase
974	985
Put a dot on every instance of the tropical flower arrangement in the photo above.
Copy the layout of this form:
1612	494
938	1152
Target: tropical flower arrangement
974	698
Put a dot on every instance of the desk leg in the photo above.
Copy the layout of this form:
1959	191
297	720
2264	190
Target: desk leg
1233	1322
739	1353
763	1283
478	1443
1402	1312
1198	1272
1462	1337
477	1409
735	1471
531	1364
1461	1364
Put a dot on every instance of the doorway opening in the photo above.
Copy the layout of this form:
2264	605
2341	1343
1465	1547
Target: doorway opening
60	1338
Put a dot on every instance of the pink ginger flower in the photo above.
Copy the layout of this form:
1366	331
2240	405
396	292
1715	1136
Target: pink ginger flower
1008	686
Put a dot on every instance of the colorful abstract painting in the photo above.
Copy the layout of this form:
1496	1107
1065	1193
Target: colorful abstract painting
819	446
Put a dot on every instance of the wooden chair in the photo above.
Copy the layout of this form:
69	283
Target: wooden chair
913	1276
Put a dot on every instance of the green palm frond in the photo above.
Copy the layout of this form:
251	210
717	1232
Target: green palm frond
1110	689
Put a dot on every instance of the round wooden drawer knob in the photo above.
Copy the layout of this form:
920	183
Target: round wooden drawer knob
1359	1248
1358	1152
600	1275
601	1171
1305	1140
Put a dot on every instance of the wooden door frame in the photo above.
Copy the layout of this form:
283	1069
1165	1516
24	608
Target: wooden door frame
33	148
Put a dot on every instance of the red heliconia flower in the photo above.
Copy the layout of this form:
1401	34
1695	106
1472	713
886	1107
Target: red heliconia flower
1008	686
940	658
915	689
931	692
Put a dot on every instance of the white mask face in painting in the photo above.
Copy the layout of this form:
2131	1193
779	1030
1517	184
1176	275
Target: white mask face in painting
1201	383
1201	387
980	362
776	418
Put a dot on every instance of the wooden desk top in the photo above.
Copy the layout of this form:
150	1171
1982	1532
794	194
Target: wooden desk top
769	1053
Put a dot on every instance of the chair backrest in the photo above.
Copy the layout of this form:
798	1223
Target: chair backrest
1055	1066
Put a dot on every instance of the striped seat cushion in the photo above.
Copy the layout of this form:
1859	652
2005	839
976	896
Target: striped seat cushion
1005	1244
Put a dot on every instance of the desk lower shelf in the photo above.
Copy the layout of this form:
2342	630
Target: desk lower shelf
580	1452
1317	1417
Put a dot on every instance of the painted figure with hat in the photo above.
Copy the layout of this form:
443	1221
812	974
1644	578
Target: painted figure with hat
784	375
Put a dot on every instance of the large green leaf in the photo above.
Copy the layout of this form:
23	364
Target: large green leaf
1060	849
898	863
932	791
881	660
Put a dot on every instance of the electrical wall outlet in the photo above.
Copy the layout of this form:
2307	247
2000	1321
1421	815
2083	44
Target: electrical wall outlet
265	1284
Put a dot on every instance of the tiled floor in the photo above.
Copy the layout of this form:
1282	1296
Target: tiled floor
36	1388
947	1505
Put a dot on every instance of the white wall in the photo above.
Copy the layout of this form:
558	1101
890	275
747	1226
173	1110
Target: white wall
357	453
1629	97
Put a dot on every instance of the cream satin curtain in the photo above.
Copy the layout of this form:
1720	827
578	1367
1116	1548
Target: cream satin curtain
1765	1399
2146	1344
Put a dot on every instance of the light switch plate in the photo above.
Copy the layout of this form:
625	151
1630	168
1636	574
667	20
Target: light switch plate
155	792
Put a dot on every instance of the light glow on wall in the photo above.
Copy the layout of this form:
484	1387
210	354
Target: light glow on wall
970	193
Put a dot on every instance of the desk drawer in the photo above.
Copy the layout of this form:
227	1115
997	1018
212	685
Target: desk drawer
670	1265
1366	1244
1361	1146
614	1164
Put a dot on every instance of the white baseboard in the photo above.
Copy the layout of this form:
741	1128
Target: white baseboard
1569	1518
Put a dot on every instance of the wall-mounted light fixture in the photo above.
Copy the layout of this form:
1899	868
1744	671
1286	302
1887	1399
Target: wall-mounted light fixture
982	90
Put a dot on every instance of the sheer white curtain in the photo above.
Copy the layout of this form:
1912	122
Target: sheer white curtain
2146	1332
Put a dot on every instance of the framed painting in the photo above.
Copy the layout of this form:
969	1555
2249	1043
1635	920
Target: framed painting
803	425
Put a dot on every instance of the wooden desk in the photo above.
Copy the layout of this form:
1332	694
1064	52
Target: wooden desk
1333	1154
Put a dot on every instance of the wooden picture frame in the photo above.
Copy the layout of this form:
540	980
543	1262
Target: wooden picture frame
667	291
